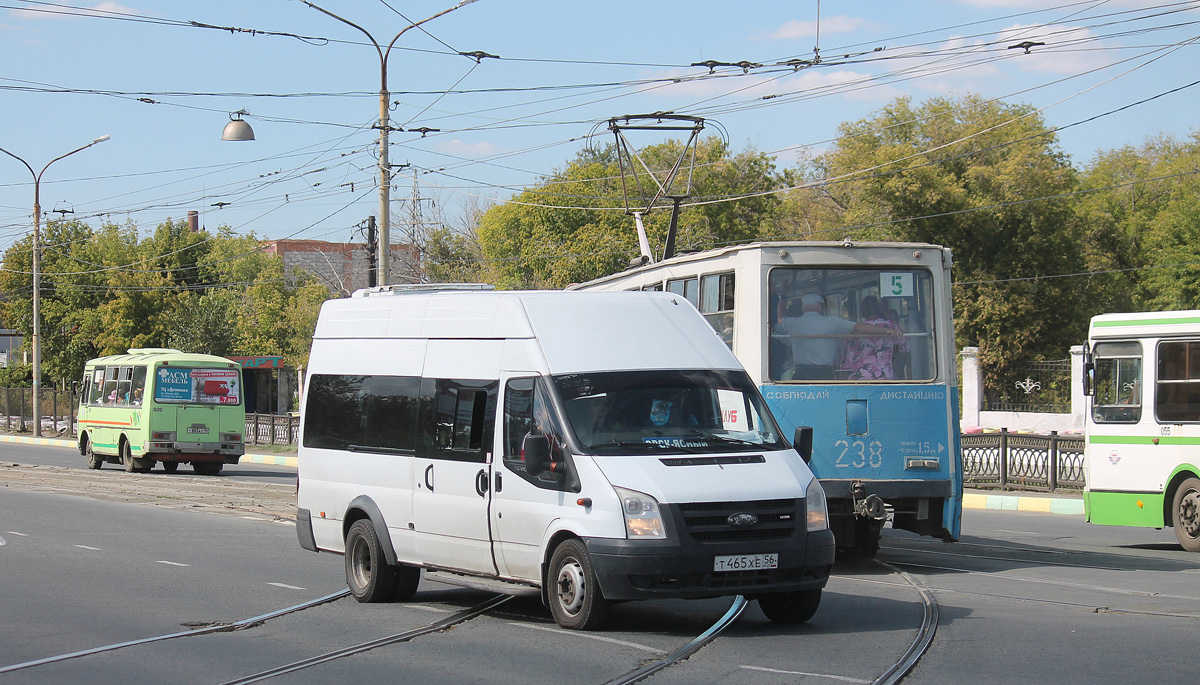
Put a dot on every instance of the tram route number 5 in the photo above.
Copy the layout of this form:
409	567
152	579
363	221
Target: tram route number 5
858	454
892	284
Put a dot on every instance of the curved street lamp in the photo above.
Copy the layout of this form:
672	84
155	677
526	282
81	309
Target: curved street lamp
385	170
37	277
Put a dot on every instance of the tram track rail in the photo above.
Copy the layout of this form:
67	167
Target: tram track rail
893	674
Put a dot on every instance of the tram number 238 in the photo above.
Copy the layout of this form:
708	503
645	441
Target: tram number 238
858	454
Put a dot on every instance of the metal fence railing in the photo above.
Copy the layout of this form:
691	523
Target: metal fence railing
57	411
272	429
1046	388
1023	461
59	417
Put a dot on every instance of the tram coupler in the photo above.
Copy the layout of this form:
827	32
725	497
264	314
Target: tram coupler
866	506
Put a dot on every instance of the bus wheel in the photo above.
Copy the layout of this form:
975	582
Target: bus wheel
407	580
94	461
1185	514
207	468
575	598
790	607
170	466
368	575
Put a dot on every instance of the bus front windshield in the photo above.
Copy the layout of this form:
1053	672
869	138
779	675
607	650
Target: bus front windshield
860	325
689	412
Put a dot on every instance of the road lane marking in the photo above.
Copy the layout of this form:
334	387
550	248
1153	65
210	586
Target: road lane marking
94	549
435	610
598	638
171	563
285	586
13	532
806	673
2	542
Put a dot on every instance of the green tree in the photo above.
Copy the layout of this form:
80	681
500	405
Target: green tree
981	177
572	227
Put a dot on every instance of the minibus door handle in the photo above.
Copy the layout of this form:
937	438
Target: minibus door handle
481	482
429	477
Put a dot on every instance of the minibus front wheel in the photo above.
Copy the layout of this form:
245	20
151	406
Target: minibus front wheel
790	607
575	597
368	574
94	461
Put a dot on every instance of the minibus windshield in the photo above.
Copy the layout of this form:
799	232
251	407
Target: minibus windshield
690	412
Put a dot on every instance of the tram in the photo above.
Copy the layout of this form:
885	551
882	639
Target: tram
856	340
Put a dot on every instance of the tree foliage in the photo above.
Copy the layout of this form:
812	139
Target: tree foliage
572	227
106	290
987	180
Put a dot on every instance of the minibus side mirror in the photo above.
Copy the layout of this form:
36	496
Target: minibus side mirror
1089	372
803	442
536	450
74	388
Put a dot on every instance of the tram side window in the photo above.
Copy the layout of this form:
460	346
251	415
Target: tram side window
687	287
716	304
1177	385
1118	372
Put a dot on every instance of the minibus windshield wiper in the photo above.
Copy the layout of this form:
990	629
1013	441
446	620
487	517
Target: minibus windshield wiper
734	441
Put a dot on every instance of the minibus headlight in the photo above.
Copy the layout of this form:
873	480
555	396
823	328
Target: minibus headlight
643	520
814	504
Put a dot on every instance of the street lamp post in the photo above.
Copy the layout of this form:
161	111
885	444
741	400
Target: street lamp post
37	277
383	263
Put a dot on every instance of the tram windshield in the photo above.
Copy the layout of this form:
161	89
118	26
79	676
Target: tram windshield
689	412
862	324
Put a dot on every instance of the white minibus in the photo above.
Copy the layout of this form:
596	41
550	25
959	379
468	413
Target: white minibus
599	446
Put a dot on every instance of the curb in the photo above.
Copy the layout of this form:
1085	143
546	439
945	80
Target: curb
1042	505
71	444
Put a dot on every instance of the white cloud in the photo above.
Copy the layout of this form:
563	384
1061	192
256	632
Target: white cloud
462	149
794	29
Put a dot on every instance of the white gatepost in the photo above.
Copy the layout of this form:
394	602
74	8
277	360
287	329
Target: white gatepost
1078	399
972	387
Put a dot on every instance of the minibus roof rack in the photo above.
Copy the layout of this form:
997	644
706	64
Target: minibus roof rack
402	288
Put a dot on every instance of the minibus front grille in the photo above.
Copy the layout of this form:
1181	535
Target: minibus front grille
709	522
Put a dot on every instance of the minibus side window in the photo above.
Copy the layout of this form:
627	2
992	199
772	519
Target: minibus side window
333	419
527	411
390	412
457	416
139	386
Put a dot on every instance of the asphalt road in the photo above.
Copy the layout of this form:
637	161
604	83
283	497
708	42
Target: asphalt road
1023	597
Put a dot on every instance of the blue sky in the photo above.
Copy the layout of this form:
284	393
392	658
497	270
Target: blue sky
161	77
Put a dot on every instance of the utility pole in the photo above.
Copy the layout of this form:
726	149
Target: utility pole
372	266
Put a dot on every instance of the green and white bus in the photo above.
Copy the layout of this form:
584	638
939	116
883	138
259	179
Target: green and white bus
1142	371
162	405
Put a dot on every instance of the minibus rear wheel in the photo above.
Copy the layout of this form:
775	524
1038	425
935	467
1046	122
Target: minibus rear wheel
94	461
790	607
575	597
368	575
1185	514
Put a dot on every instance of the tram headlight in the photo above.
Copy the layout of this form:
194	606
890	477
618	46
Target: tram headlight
643	519
814	504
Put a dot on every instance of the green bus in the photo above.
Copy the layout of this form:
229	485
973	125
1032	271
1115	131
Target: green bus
162	405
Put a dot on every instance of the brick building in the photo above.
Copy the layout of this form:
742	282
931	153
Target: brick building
343	267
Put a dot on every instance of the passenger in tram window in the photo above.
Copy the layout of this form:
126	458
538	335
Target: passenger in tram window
872	358
816	338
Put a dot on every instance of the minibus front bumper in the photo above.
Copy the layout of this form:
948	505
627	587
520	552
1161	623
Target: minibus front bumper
648	569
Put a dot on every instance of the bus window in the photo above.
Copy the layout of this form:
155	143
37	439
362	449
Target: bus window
1118	396
813	313
124	385
1177	385
687	288
110	384
716	304
139	386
